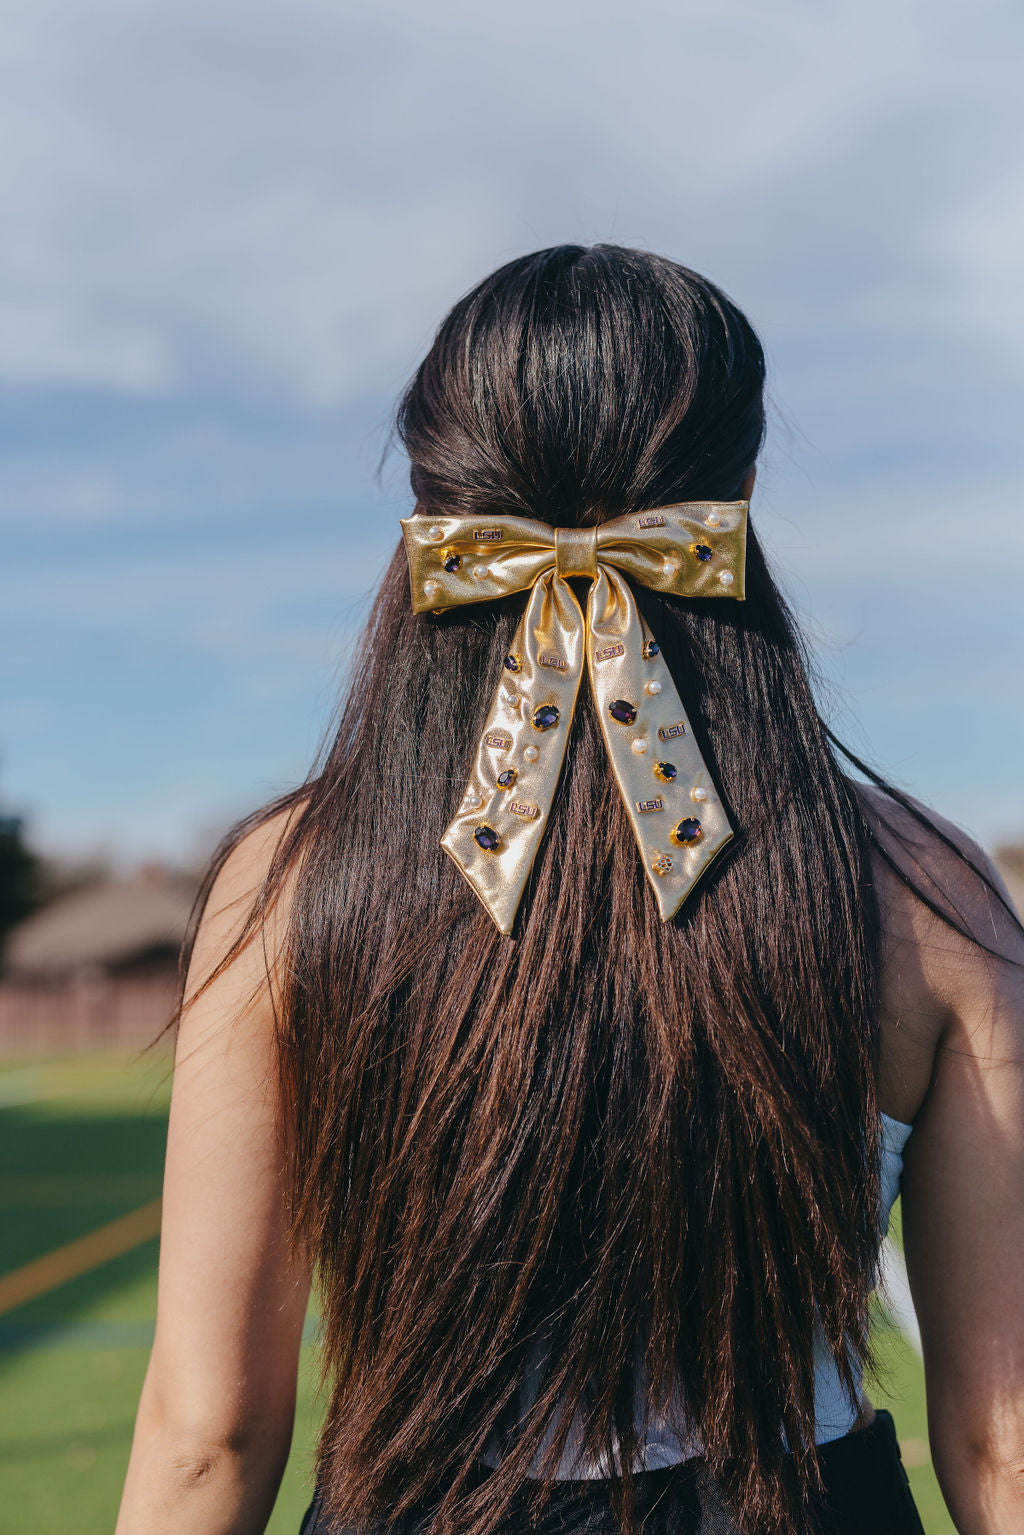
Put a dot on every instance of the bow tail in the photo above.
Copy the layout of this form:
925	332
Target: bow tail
670	797
498	829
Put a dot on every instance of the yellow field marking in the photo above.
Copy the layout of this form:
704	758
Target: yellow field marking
78	1257
914	1453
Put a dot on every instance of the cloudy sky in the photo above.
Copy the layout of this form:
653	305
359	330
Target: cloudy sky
230	230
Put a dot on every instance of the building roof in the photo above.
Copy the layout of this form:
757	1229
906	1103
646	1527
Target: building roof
107	923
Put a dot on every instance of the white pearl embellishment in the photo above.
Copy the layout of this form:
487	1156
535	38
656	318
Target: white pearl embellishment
473	801
700	795
713	519
430	588
726	577
435	533
531	754
669	565
481	572
654	688
640	746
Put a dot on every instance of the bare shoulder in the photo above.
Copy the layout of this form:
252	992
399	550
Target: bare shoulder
946	862
239	939
939	966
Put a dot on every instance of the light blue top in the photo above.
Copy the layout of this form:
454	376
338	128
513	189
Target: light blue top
660	1445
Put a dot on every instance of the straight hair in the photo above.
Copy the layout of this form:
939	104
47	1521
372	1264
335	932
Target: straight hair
631	1144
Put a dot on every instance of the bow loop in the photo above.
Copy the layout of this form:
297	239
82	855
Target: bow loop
694	549
453	560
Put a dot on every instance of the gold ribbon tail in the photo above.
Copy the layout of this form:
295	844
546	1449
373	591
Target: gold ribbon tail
673	805
497	832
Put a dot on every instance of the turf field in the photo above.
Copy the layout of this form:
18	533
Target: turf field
81	1146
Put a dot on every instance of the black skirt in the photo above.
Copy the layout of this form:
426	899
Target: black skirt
867	1493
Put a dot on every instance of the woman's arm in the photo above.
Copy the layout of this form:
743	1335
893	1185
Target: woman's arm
963	1206
215	1418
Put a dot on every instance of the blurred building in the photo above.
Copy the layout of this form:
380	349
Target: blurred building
1010	863
95	968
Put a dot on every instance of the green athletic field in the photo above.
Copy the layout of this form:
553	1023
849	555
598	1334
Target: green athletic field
81	1146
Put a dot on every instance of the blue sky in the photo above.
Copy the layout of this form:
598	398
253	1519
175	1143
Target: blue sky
231	230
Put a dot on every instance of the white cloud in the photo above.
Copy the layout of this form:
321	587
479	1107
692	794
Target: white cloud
45	341
298	192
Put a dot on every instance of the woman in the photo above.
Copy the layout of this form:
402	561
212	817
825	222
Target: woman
594	1202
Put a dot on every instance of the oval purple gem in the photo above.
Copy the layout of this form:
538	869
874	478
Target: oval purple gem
507	778
452	563
666	771
487	838
622	711
651	648
688	830
545	717
512	663
702	551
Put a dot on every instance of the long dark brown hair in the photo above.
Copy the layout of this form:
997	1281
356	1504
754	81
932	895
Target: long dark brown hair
602	1134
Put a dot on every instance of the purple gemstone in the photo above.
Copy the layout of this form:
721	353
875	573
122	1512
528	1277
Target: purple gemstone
513	664
666	771
452	563
622	711
545	717
487	838
507	779
688	830
702	551
651	648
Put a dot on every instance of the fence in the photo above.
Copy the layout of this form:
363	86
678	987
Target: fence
92	1010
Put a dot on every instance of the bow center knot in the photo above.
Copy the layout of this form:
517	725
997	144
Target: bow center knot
576	552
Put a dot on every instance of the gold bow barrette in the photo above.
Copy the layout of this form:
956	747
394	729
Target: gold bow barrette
694	549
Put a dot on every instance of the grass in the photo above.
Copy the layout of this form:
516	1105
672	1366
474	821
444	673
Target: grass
81	1143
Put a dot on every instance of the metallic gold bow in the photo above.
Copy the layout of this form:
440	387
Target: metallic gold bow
694	549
